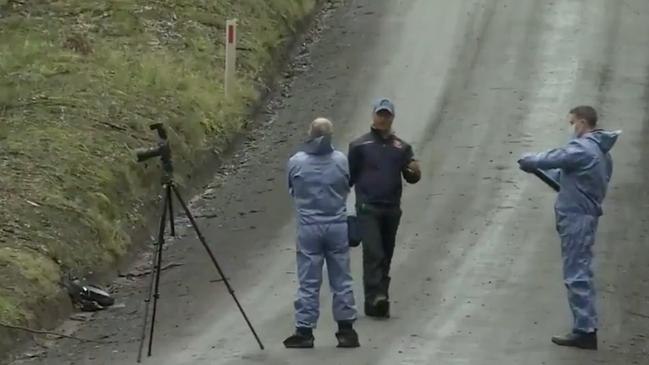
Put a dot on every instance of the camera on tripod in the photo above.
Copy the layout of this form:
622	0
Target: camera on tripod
162	150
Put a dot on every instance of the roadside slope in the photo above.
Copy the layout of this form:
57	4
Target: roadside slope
80	81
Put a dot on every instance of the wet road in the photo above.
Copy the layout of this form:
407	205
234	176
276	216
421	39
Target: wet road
476	275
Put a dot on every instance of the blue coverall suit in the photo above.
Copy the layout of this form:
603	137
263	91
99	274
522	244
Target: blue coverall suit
318	178
583	168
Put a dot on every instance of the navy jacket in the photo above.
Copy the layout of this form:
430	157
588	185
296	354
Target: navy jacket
376	165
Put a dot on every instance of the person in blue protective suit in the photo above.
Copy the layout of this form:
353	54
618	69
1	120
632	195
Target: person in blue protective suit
318	178
583	168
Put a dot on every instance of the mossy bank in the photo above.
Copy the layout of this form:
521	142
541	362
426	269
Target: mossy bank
80	82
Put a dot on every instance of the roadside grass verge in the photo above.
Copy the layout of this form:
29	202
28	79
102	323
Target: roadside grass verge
80	82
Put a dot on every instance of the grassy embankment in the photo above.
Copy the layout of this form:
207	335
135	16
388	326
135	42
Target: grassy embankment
80	81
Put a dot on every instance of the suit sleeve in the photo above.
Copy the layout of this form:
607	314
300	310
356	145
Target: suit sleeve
290	168
555	174
569	157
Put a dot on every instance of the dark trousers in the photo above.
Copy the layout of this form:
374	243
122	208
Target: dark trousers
378	227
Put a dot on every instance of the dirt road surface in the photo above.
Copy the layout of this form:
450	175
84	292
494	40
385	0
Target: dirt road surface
476	277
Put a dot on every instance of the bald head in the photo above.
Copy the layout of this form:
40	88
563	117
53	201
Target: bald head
321	127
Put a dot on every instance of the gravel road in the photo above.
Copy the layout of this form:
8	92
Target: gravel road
476	276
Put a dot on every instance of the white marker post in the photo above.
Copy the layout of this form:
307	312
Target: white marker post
230	56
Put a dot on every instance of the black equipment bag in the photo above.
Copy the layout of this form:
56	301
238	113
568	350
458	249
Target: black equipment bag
354	231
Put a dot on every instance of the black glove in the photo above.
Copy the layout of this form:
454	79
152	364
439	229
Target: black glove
411	175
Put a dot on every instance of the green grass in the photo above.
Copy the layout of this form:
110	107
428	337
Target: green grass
80	81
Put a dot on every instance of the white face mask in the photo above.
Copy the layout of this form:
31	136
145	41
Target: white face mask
572	134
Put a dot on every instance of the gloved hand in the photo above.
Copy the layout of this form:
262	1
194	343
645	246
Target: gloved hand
526	164
411	172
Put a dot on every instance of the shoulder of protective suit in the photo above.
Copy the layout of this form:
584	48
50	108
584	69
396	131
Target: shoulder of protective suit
297	157
339	155
580	146
581	151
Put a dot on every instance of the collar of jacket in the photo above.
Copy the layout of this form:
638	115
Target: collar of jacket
378	135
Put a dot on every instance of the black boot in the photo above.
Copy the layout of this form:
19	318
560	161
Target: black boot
379	308
582	340
301	339
383	308
347	337
370	311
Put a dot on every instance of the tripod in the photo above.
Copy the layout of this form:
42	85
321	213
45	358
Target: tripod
169	191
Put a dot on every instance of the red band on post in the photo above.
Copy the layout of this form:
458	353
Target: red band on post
231	34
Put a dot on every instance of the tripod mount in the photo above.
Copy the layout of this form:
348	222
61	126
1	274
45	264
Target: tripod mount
163	150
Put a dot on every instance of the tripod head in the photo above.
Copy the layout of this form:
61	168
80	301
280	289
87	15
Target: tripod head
162	149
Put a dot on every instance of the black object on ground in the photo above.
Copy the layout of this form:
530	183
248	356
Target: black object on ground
88	298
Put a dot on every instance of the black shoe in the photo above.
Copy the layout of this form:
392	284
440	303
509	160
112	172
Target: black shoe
370	310
582	340
347	338
301	339
379	309
382	308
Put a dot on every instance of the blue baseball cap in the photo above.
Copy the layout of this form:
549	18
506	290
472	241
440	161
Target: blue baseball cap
383	104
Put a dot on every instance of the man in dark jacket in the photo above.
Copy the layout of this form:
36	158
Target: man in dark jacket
377	162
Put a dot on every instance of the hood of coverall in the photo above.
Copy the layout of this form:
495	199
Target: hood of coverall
319	178
318	146
604	139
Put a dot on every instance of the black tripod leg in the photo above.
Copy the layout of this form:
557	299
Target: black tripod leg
171	212
216	264
146	307
156	294
155	268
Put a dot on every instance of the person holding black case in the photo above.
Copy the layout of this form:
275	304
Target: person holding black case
378	161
